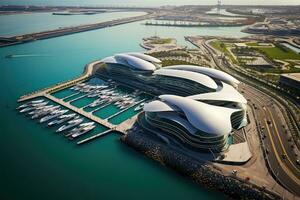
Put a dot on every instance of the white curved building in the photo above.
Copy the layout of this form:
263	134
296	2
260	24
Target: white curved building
131	65
213	73
201	106
194	123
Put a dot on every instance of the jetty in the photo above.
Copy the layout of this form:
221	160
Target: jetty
14	40
89	71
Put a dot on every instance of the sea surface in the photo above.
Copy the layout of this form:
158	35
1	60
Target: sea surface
37	22
152	3
36	163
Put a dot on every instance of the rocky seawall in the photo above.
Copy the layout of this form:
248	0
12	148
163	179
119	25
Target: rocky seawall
201	173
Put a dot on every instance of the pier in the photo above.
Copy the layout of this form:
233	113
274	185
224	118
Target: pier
70	96
94	137
80	97
88	71
121	111
8	41
194	24
80	111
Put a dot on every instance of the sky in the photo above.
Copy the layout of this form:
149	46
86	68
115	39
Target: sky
148	2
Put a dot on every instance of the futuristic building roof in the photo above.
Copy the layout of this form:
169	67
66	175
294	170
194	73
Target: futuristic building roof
227	93
144	57
193	76
211	119
159	106
214	73
134	62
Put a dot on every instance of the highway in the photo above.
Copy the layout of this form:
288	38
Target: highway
280	151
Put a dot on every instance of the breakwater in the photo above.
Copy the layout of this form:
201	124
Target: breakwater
8	41
201	173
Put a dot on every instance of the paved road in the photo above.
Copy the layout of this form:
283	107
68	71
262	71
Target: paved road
281	155
275	140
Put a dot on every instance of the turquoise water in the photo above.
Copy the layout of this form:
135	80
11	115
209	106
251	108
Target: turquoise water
64	93
18	24
106	111
123	116
36	163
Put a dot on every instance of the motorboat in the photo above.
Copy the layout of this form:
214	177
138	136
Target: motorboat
87	124
81	132
30	103
62	119
53	115
39	104
139	107
44	112
69	125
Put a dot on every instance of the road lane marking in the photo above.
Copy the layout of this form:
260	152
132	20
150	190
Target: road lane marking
282	146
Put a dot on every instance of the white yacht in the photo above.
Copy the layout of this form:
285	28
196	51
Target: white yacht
87	124
84	130
30	104
53	115
62	119
139	107
69	125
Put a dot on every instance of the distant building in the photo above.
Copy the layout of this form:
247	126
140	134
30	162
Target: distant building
290	81
240	45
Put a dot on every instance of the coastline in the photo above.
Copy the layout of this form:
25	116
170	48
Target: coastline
19	39
201	173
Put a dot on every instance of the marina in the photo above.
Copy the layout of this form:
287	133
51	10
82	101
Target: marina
105	103
39	146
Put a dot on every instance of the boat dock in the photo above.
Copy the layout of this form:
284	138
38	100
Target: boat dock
121	111
70	96
88	71
80	111
94	137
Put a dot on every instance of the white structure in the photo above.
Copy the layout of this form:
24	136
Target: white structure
202	107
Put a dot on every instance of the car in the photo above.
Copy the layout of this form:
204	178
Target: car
298	162
283	156
268	121
234	172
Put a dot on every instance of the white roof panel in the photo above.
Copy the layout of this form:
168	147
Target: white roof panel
134	62
214	73
227	93
144	57
158	106
207	118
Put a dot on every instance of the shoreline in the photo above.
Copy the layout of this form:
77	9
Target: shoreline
203	174
20	39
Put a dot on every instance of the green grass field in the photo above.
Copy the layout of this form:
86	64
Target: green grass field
219	45
161	41
277	53
175	62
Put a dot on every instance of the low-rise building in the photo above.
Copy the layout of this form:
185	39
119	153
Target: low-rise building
290	81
